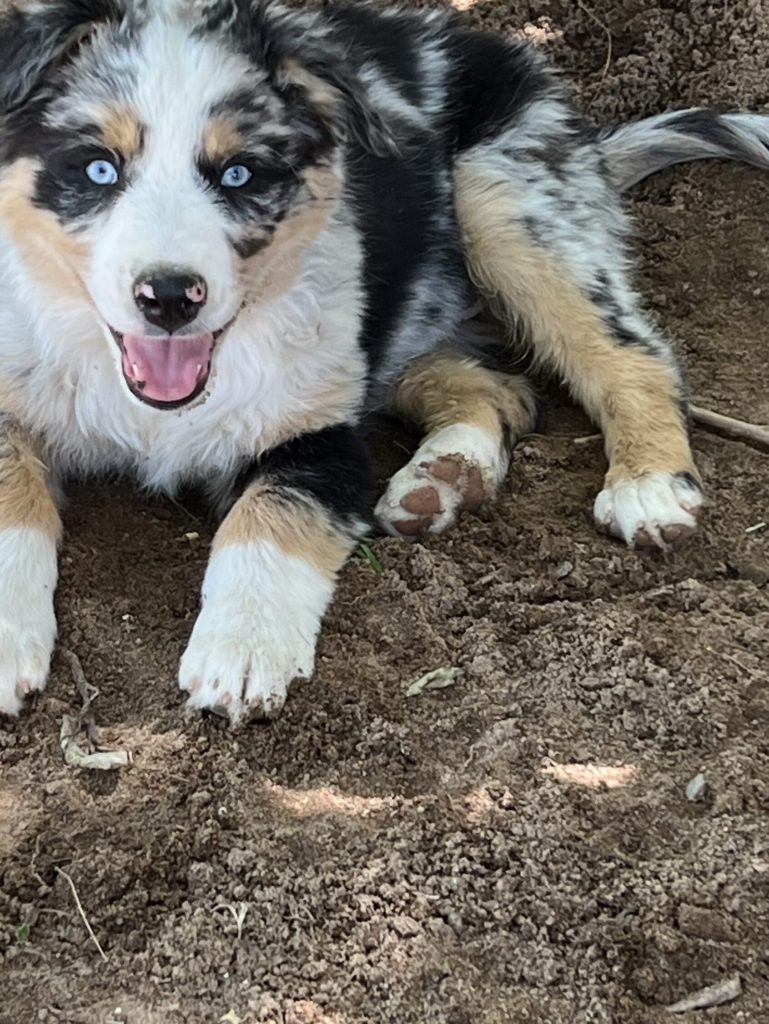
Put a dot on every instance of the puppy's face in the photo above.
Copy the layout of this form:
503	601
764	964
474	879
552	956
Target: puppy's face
169	179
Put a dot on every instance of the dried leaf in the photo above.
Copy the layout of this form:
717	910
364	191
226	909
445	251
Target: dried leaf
725	991
230	1018
76	757
438	679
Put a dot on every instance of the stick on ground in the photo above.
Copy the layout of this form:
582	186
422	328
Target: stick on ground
80	910
739	429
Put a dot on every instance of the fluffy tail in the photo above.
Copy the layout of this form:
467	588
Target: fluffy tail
634	151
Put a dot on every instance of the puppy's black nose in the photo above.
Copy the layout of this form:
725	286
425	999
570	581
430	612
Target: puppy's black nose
170	300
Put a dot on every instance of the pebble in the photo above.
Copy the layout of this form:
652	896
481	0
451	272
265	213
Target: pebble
696	788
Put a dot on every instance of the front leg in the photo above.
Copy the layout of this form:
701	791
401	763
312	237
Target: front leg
298	513
30	529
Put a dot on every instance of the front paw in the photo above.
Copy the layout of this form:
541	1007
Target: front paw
27	619
255	633
655	510
242	671
26	646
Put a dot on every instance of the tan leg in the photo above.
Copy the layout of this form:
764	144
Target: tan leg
630	386
29	533
471	418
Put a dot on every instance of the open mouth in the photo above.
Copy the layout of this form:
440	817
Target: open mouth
166	372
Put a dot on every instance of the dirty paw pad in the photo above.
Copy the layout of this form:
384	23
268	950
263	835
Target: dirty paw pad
456	469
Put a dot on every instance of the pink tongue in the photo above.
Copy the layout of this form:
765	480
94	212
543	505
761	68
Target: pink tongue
167	369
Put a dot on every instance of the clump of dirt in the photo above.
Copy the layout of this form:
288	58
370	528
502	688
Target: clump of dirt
375	858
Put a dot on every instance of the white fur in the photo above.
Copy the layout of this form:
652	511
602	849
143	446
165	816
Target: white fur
256	631
27	620
474	446
269	371
650	504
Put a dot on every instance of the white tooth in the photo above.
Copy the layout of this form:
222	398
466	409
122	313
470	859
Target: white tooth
136	370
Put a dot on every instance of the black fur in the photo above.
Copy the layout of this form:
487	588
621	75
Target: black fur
492	80
332	467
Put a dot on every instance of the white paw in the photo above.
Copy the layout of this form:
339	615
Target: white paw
655	510
27	619
456	469
256	631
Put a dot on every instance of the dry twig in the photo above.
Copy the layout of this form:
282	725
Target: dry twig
609	52
82	913
720	424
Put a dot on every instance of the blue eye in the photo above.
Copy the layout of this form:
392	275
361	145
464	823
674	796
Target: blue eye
102	172
236	176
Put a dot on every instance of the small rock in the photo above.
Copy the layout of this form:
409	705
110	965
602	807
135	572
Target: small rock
406	927
596	683
701	923
697	788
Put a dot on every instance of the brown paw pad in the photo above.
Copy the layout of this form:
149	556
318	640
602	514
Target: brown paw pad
465	477
427	496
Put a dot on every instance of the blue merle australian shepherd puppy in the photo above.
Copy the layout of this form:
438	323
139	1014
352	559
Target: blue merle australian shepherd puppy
228	230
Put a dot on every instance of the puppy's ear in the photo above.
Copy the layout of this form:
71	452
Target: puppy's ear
300	54
339	97
36	37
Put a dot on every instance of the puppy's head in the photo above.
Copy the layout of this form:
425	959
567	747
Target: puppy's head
169	161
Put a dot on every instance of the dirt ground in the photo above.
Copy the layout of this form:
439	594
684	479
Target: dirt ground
422	859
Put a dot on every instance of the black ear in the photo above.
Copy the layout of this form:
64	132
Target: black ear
299	53
36	37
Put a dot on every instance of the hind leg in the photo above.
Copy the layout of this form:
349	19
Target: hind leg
547	250
471	418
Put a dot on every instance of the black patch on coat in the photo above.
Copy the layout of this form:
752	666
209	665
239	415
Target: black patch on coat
331	466
492	81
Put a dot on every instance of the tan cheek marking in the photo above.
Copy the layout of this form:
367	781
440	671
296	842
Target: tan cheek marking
25	498
221	140
122	132
274	269
301	528
442	389
633	394
53	257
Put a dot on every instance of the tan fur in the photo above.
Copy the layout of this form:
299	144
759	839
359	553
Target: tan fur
122	132
221	140
296	525
442	389
274	269
25	497
324	97
55	258
633	394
